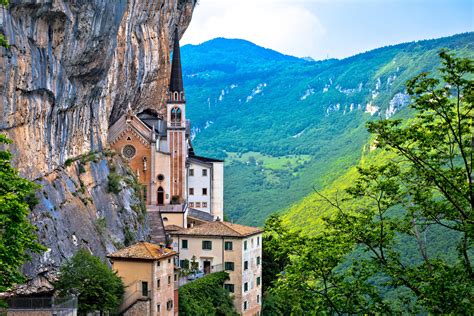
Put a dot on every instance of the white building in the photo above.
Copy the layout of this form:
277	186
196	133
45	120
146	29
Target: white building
222	246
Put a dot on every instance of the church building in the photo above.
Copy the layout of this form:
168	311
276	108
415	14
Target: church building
185	188
184	194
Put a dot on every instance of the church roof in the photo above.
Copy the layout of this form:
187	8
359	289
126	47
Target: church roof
152	120
176	80
143	250
219	229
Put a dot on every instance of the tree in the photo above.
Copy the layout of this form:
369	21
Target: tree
17	235
206	296
98	287
425	185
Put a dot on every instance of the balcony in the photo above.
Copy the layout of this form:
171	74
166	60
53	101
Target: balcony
186	276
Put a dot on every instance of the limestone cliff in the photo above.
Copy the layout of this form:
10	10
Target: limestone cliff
73	67
93	202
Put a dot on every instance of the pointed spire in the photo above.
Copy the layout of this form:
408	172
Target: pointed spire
176	80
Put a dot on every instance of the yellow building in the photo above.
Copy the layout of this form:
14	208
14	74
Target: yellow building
147	271
236	249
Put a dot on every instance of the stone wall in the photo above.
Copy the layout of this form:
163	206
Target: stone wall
140	308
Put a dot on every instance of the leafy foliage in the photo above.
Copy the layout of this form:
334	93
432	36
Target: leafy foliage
359	262
206	296
98	287
114	185
17	235
246	101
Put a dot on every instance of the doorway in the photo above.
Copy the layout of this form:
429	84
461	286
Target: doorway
207	267
161	196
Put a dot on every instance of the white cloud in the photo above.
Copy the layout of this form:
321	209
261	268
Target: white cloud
283	25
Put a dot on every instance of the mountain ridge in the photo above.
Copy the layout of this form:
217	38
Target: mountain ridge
286	126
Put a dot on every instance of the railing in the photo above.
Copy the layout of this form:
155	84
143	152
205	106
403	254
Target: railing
188	276
65	305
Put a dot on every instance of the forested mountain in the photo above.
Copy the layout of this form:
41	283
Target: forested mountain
286	125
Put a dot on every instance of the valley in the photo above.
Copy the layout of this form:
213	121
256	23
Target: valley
286	125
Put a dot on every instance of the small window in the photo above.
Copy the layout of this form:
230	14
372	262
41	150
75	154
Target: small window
229	266
191	172
204	172
258	260
251	242
165	219
191	191
245	245
169	305
184	264
184	244
157	263
169	260
258	241
258	281
191	204
258	299
169	279
204	204
161	177
198	204
144	288
158	283
246	265
206	244
246	286
204	191
229	287
245	305
158	308
228	245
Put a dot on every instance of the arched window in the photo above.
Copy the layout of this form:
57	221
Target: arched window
176	116
176	96
165	219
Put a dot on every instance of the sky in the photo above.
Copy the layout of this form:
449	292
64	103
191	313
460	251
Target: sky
328	28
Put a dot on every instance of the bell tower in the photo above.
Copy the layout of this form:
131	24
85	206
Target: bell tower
176	126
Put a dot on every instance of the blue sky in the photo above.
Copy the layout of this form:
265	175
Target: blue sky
328	28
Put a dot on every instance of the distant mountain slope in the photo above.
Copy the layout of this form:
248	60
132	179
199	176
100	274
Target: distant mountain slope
285	124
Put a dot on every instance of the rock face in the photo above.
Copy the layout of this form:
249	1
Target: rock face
72	69
93	203
74	66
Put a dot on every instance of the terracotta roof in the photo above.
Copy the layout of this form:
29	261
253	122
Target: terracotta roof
143	250
170	228
218	229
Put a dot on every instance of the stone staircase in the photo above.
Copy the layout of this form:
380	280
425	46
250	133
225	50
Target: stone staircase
157	229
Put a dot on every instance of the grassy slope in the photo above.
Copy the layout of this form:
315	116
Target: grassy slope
278	124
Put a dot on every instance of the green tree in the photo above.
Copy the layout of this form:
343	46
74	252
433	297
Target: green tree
206	297
17	235
357	264
98	287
